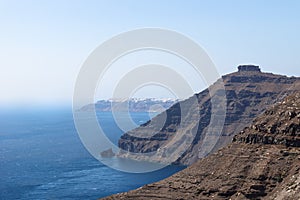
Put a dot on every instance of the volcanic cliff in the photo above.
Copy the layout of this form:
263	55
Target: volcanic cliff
248	93
262	162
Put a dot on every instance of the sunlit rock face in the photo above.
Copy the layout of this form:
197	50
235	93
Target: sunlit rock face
249	92
262	162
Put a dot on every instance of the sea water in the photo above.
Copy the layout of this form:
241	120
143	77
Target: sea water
42	157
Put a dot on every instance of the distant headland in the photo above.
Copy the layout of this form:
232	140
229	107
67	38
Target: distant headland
132	105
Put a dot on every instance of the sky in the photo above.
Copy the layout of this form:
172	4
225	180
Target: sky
43	44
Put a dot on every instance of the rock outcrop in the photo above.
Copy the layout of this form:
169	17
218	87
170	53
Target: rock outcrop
248	68
249	92
278	125
262	162
107	153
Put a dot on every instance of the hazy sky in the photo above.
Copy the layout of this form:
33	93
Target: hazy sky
44	43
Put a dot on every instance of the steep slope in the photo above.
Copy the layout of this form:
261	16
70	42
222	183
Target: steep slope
249	92
262	162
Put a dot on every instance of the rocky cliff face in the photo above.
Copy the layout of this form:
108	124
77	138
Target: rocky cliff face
278	125
262	162
249	92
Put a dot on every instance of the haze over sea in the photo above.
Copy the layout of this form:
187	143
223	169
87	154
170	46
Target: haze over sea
42	158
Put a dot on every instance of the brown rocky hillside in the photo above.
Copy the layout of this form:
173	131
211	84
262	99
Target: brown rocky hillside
262	162
249	92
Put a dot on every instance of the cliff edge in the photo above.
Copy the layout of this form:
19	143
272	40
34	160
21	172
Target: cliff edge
262	162
249	92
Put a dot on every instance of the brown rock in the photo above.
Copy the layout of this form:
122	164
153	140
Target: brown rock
242	170
249	92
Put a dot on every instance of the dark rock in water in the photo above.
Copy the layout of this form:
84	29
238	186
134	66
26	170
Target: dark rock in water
107	153
249	92
253	168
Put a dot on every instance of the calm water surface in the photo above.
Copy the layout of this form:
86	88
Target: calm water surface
42	158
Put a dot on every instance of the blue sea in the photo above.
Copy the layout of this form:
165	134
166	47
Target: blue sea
42	157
